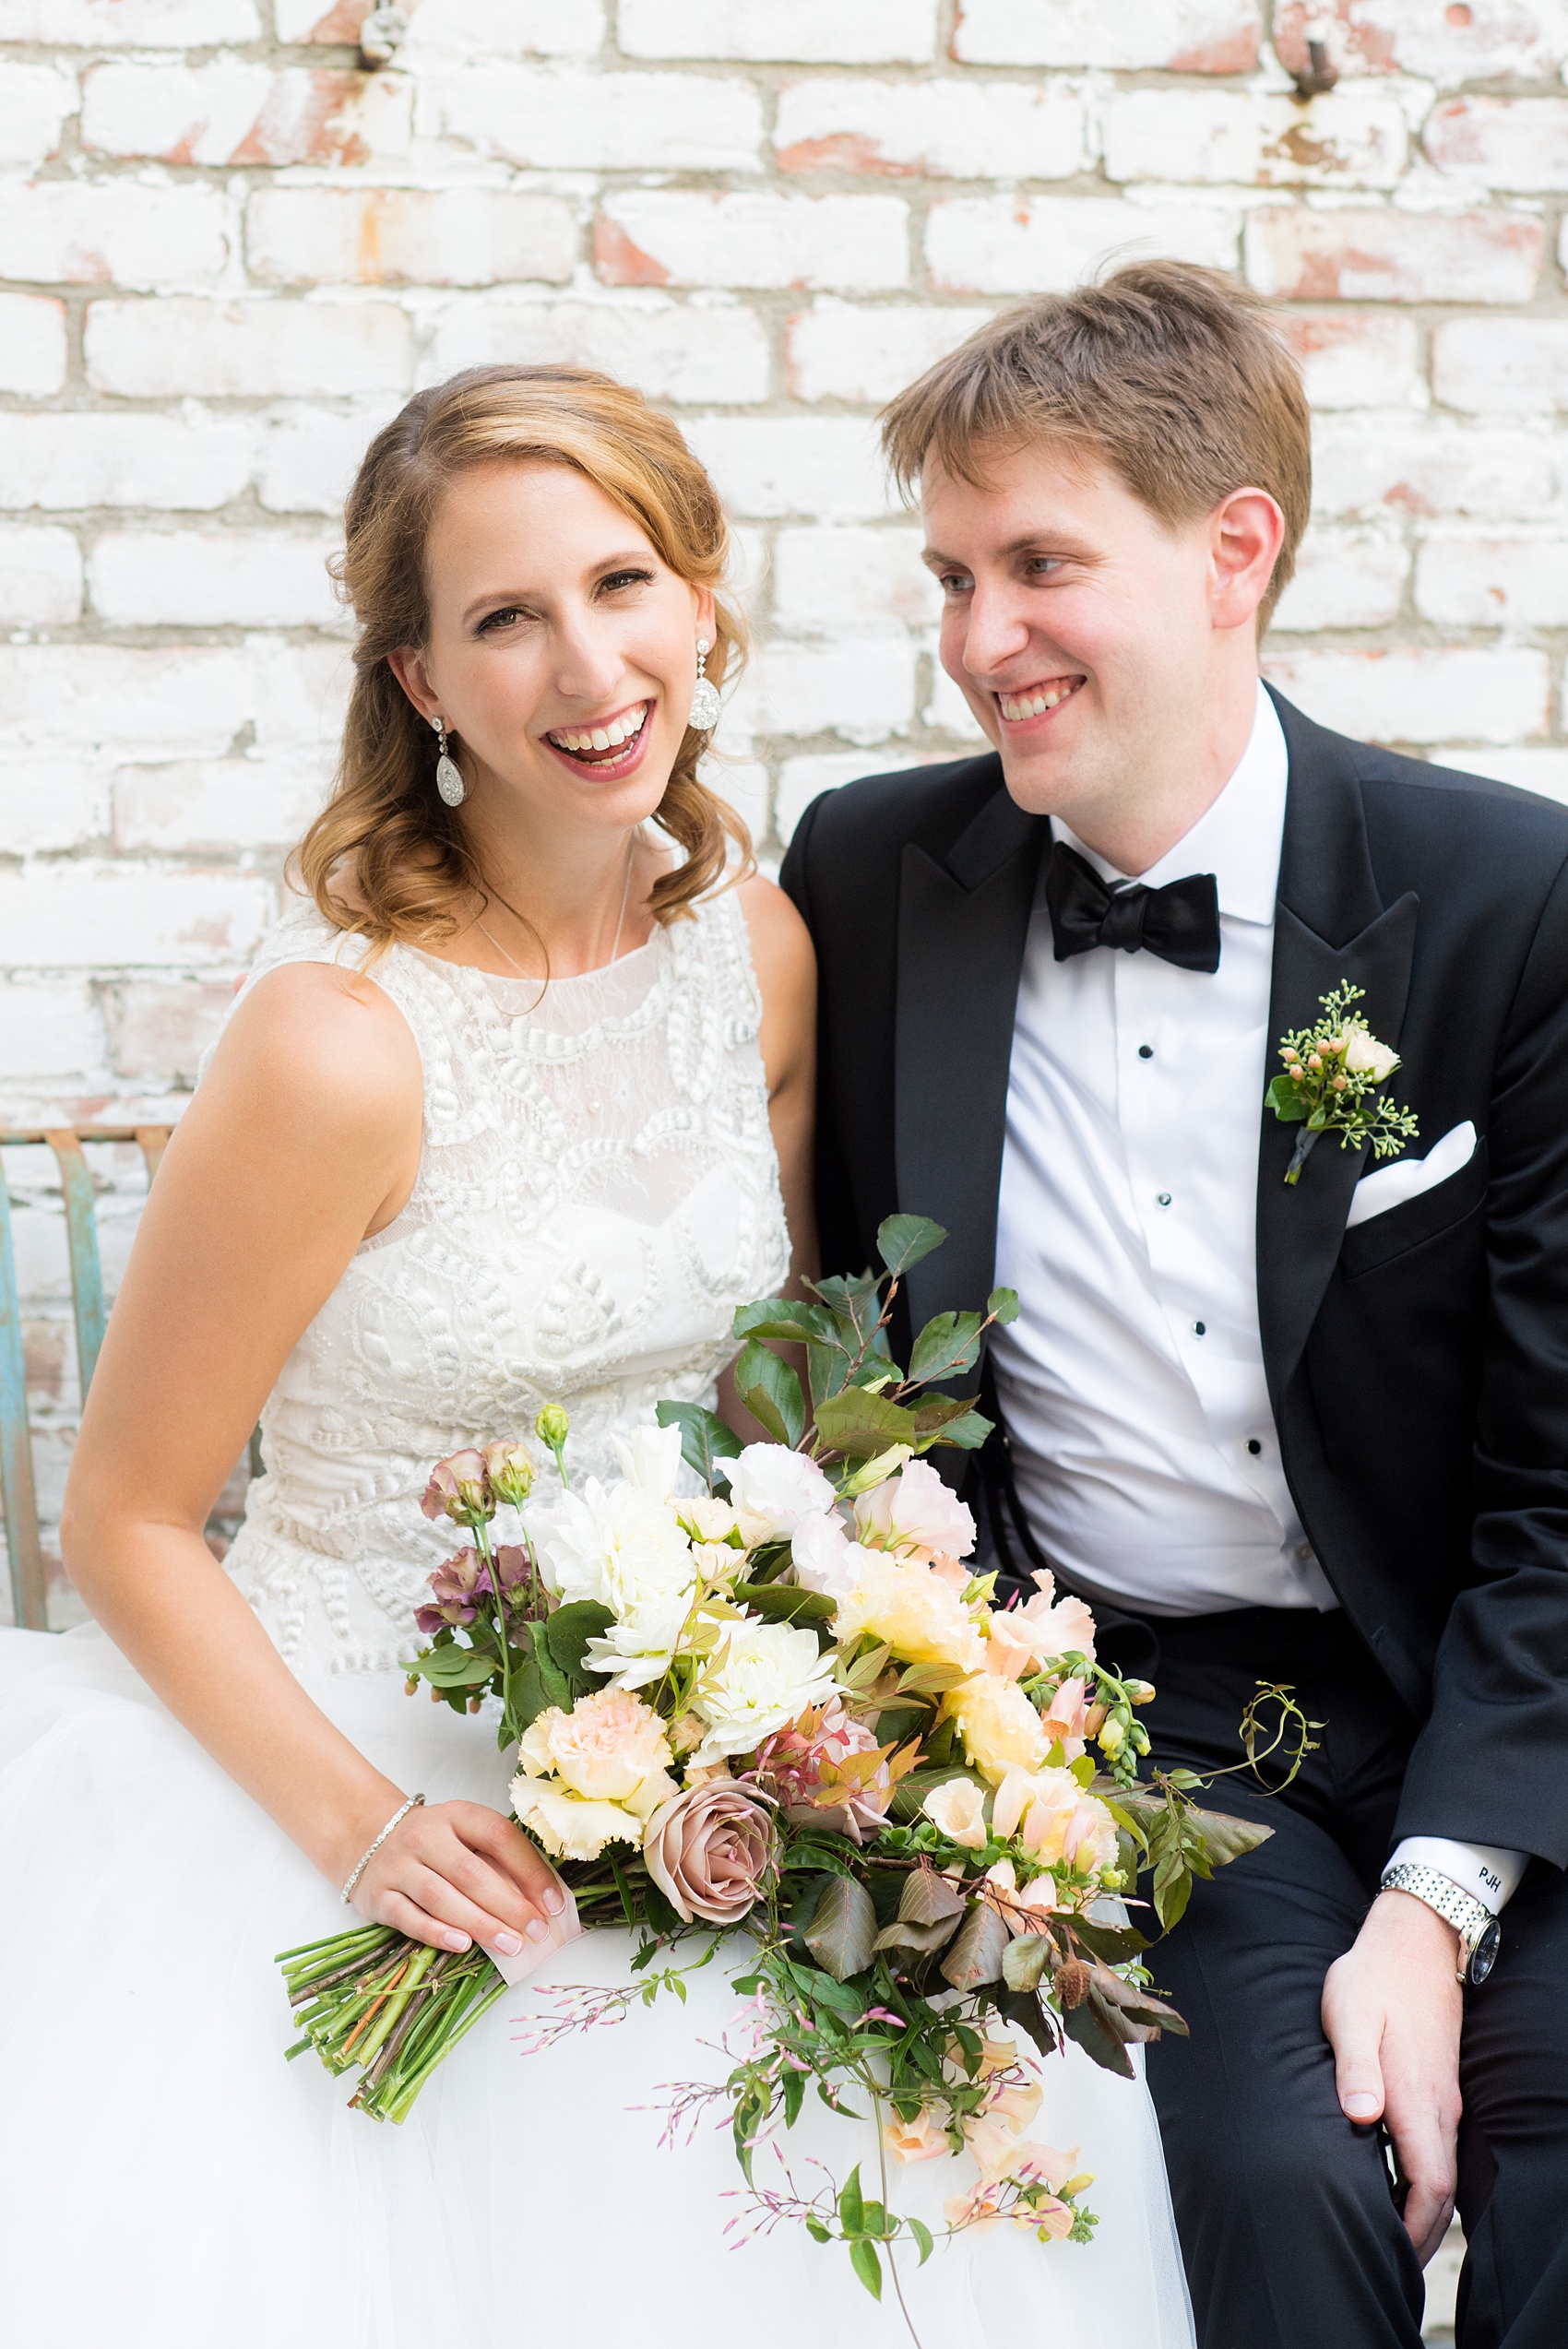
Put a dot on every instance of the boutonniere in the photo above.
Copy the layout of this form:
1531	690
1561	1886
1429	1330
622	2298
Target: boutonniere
1332	1075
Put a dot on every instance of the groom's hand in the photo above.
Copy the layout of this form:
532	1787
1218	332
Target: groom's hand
1391	2009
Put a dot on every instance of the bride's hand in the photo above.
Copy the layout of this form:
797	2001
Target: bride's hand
452	1873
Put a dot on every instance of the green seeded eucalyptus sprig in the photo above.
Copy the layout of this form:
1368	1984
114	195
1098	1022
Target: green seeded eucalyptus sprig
1331	1083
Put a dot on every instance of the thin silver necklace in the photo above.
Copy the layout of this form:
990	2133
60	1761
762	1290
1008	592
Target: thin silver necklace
616	943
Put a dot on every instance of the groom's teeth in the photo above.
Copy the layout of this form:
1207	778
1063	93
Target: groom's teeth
1015	706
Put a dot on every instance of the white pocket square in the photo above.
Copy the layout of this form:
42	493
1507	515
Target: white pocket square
1408	1178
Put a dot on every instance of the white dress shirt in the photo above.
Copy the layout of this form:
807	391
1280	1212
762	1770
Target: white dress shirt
1132	1380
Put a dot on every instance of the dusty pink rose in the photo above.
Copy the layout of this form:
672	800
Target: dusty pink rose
460	1489
709	1850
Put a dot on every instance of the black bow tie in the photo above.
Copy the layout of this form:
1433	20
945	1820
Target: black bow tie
1180	923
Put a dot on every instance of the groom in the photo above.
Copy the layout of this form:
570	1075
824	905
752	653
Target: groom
1312	1433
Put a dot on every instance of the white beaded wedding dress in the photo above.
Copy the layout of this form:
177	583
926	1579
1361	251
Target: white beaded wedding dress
597	1192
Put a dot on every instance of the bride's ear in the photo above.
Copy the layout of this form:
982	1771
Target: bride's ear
408	668
702	611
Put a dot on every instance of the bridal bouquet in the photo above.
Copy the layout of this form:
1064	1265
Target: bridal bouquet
772	1701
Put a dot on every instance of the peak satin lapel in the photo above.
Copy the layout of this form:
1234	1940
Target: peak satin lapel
962	927
1327	891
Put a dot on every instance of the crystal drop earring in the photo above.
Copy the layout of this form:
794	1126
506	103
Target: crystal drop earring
448	773
706	703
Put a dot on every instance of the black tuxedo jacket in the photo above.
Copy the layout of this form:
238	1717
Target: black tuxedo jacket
1418	1365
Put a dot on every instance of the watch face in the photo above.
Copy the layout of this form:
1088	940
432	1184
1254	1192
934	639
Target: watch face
1484	1957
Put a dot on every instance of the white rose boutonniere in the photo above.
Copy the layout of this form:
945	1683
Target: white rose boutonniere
1332	1073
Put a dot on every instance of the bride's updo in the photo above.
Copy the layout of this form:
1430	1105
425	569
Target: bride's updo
385	827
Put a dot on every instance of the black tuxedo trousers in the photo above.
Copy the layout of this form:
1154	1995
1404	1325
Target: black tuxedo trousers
1418	1372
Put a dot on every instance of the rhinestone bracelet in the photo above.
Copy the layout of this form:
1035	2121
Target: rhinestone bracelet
397	1819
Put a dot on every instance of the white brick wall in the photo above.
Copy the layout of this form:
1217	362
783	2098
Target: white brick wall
228	252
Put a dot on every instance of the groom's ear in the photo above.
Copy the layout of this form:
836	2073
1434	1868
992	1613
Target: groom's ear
1246	532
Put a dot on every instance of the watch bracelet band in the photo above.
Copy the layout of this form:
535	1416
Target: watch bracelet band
1469	1917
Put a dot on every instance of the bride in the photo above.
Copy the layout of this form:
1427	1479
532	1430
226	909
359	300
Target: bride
514	1108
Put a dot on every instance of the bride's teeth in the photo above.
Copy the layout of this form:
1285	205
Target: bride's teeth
602	738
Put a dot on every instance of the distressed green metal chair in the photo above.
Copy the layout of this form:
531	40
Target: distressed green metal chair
29	1598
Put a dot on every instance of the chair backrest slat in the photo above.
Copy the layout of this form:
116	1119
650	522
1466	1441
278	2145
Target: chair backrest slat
28	1607
81	1232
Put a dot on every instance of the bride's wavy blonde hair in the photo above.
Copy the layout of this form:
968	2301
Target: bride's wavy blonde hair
384	825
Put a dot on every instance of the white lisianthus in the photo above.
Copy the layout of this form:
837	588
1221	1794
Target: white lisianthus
651	1461
760	1679
916	1513
826	1560
622	1548
775	1489
1364	1056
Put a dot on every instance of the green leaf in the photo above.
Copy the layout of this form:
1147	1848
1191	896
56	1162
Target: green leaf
786	1319
1105	1941
968	1432
1226	1838
815	2227
935	1411
1287	1100
948	1344
923	1938
771	1392
455	1667
1083	2026
922	2234
569	1631
786	1603
530	1696
1002	1306
1024	1961
1023	2008
929	1899
855	1302
867	2266
904	1241
704	1440
862	1425
843	1928
975	1957
794	2096
851	2210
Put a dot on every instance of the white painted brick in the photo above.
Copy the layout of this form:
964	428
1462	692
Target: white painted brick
490	28
1365	465
1501	366
261	348
299	695
833	582
852	244
41	577
743	784
49	1029
32	344
129	24
219	805
553	118
1485	40
309	455
1045	244
1187	36
67	460
232	111
213	579
826	467
51	803
861	692
1515	143
1298	255
945	129
866	351
1354	357
815	33
1543	771
1468	580
156	705
35	103
73	232
1235	137
96	915
1344	579
802	780
1411	694
160	1028
672	351
450	236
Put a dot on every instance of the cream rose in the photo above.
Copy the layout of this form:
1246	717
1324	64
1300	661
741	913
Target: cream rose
1000	1727
921	1618
1364	1056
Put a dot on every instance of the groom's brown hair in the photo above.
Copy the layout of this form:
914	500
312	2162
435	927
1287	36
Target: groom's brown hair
1170	374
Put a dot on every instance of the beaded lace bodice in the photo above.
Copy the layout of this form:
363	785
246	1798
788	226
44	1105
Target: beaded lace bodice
597	1192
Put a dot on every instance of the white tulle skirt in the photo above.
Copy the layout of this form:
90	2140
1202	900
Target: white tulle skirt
167	2181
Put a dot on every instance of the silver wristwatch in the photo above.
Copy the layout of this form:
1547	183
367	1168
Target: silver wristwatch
1479	1932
